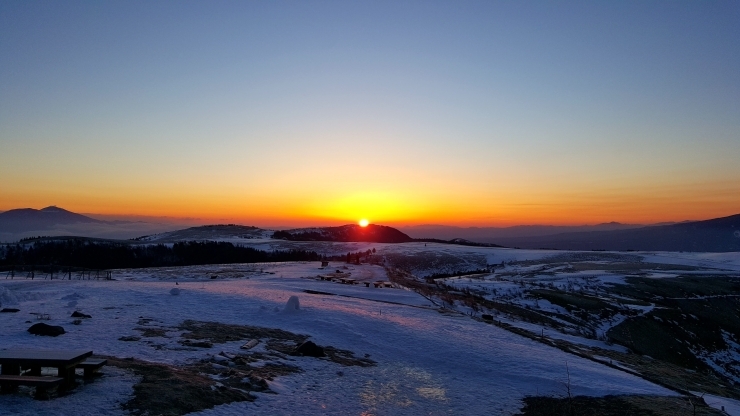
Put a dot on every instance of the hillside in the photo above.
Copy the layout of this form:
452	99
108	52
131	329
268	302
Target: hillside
496	234
351	232
715	235
207	232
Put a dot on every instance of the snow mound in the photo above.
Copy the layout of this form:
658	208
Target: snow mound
174	291
73	296
10	297
293	304
7	297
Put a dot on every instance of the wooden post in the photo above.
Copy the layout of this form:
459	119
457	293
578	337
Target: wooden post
68	374
10	370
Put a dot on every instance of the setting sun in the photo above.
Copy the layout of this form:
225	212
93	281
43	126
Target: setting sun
364	222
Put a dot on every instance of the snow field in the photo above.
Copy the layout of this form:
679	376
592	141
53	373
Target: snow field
428	363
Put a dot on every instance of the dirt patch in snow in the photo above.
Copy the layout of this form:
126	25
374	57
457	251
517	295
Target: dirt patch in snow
347	358
281	342
219	333
173	391
339	356
152	332
236	372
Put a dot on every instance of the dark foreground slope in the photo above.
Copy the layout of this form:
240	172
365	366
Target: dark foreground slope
715	235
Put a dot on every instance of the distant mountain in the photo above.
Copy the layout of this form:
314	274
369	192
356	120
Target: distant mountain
29	219
54	221
346	233
496	234
715	235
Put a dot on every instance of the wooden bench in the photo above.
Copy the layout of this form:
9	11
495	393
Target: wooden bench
12	361
92	365
42	383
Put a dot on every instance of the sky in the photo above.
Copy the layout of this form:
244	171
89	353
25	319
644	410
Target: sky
470	113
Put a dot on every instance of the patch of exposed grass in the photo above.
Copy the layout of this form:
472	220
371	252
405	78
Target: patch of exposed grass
205	334
347	358
679	328
579	257
630	267
572	300
449	296
172	391
638	405
152	332
239	374
667	374
659	340
219	333
663	373
339	356
652	290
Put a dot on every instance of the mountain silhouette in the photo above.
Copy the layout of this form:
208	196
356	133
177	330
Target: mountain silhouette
714	235
29	219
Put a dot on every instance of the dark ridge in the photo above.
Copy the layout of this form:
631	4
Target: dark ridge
346	233
714	235
458	241
203	232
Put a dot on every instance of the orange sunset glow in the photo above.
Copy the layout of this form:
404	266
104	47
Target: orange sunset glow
286	134
293	206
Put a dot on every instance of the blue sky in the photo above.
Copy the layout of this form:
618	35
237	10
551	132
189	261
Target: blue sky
414	109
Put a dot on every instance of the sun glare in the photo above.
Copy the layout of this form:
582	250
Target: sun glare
364	222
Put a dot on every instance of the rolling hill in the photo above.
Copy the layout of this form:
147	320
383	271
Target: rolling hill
345	233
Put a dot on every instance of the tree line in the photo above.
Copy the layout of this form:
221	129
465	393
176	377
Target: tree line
110	255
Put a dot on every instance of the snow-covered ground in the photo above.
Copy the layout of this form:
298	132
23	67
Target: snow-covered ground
427	362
